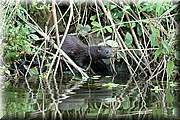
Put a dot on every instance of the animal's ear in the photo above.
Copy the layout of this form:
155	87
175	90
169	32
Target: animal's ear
99	49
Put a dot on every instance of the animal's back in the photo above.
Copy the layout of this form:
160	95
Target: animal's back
73	46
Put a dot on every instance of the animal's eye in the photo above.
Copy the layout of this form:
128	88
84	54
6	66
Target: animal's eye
99	50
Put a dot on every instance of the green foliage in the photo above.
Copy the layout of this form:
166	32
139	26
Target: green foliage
36	6
112	43
157	112
170	68
96	26
156	89
17	42
83	30
154	36
128	40
17	35
163	49
126	103
139	30
151	8
169	97
116	12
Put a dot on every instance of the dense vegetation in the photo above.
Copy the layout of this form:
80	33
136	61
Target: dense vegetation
142	35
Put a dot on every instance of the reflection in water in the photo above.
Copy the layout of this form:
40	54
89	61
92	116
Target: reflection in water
90	100
1	101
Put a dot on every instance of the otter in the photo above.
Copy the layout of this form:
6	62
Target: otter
83	54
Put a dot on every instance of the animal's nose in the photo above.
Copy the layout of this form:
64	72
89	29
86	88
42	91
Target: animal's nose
109	52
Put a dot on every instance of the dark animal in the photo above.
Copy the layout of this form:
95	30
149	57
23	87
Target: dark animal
83	54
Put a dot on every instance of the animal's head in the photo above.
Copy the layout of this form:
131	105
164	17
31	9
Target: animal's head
101	52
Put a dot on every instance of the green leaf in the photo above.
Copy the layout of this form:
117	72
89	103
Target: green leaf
154	36
126	103
157	53
126	7
87	28
170	67
34	71
120	55
95	29
104	30
98	33
112	7
128	39
157	112
79	27
153	40
139	30
95	24
93	17
159	8
166	47
133	24
108	28
112	43
83	30
169	98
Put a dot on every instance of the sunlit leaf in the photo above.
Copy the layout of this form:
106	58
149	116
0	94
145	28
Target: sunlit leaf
120	55
157	53
128	39
79	27
166	46
112	43
93	17
126	7
87	28
108	28
157	112
96	24
133	24
113	6
170	67
34	71
83	30
98	33
153	40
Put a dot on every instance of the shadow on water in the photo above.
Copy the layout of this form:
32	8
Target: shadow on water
98	98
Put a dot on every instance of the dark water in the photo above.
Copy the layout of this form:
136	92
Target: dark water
94	99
